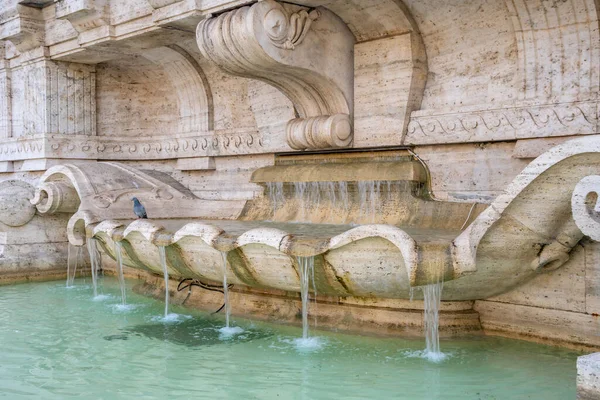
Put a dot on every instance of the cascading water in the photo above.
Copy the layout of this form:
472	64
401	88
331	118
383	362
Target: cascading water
275	191
432	295
307	266
226	290
370	196
163	262
73	254
119	256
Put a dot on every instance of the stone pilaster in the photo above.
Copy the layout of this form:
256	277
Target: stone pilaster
5	97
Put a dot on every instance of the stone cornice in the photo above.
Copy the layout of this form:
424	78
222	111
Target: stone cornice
500	124
139	148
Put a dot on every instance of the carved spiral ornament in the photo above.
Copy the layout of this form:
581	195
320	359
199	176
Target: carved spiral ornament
287	33
585	204
55	197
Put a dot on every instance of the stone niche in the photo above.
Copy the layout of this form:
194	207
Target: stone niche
345	94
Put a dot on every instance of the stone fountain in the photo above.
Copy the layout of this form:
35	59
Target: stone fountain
497	248
391	147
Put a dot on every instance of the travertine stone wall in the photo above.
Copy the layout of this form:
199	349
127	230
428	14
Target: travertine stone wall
135	98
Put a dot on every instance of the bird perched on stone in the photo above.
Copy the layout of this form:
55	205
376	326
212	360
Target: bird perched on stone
138	208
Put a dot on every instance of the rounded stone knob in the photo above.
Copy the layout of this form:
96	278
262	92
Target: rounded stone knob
322	132
56	197
15	206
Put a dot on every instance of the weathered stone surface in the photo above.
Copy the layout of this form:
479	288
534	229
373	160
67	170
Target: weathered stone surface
588	377
373	316
477	88
15	208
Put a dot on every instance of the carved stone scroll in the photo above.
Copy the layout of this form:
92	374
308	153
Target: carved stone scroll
307	54
585	205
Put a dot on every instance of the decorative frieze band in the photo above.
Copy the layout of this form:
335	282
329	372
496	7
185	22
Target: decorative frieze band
109	148
504	123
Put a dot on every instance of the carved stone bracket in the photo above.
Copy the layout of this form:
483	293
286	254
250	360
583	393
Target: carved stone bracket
307	54
23	26
83	14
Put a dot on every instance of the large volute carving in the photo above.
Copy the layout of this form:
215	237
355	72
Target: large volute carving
305	53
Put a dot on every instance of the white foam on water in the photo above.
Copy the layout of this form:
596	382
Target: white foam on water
309	344
228	332
432	356
102	297
124	308
171	318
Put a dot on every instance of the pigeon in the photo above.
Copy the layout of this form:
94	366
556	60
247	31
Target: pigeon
138	208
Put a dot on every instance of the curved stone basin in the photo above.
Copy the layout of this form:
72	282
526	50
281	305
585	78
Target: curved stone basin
365	261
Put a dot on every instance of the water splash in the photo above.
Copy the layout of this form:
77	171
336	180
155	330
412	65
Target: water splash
432	295
95	263
120	274
307	266
226	290
73	254
163	262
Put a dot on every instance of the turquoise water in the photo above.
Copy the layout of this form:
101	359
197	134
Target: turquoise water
58	343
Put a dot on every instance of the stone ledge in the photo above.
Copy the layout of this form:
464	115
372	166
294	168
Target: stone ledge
565	328
283	307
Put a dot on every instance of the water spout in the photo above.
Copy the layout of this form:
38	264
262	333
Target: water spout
226	290
307	266
163	262
119	256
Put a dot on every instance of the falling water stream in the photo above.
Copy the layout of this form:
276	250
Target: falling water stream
119	256
94	259
163	262
226	290
432	295
73	254
306	265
